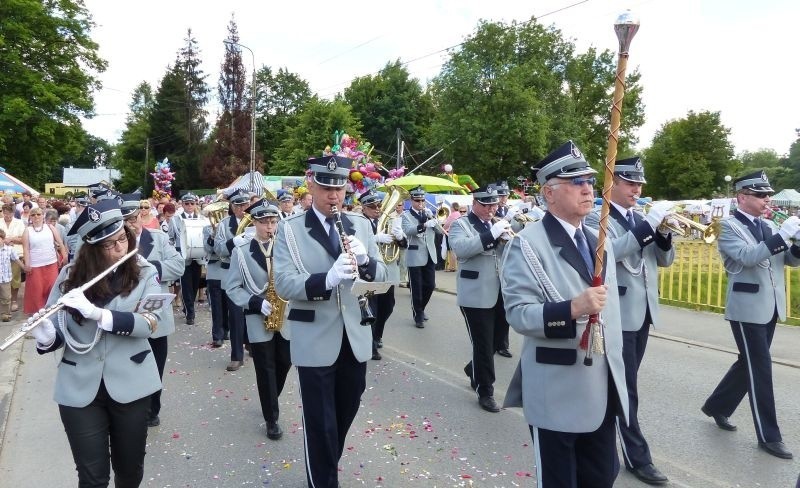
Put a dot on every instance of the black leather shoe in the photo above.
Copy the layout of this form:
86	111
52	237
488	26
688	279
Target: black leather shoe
274	431
189	321
376	356
487	403
504	352
721	420
155	422
649	474
216	344
777	449
380	343
419	325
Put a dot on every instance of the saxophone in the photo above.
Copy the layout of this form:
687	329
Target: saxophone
274	321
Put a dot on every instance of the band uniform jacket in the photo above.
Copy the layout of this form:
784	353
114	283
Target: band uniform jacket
556	390
251	256
756	284
478	254
154	246
303	257
639	252
223	241
213	268
421	240
121	359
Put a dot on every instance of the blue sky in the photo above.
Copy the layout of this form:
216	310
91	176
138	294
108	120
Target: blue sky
736	57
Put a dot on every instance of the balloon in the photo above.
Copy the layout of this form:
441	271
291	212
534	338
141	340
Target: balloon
356	176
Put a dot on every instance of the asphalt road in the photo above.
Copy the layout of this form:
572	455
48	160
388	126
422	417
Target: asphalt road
419	424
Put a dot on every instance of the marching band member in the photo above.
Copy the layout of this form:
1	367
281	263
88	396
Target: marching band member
286	202
247	283
501	343
224	242
754	253
216	296
190	281
154	246
546	278
329	345
476	241
632	237
107	373
419	225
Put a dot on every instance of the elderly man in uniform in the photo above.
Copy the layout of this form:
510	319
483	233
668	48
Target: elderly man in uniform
329	345
477	242
420	227
154	246
224	242
640	247
546	278
190	281
247	283
754	253
286	203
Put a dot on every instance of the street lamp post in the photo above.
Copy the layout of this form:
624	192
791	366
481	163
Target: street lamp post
252	115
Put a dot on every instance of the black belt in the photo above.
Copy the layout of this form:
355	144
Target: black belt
225	265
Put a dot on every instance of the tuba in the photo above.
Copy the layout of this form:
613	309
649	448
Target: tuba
215	212
390	252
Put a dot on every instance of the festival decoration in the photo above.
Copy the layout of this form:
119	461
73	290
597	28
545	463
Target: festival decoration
162	180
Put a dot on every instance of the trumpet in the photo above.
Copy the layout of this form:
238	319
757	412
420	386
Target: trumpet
509	232
679	225
441	214
37	318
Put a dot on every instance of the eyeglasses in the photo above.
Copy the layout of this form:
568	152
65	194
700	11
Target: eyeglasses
418	200
760	196
109	245
189	203
577	181
144	208
131	218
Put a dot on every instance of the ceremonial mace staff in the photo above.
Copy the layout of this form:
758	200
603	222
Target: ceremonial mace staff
625	27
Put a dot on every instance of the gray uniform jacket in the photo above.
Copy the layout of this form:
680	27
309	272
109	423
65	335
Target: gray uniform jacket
223	241
319	317
756	284
241	292
639	252
213	268
478	253
555	389
421	240
154	246
121	359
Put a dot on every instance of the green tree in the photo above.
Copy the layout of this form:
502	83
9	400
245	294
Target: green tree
312	131
512	93
131	150
49	71
690	157
789	176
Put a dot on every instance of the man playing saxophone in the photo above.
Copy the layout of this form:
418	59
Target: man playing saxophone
248	283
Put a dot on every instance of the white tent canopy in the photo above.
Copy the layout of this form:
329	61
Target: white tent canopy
786	198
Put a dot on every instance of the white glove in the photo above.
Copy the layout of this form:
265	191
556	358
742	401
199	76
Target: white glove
512	211
500	227
789	228
382	238
398	234
240	239
44	333
266	308
428	213
341	270
431	223
358	249
77	300
657	212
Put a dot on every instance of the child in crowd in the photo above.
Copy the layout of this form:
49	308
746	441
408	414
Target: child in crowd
7	256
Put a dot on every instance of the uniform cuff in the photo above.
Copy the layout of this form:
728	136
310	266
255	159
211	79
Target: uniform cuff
644	233
664	242
776	244
367	272
122	323
315	287
488	240
254	304
558	322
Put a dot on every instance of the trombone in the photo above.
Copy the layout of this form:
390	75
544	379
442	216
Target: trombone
679	225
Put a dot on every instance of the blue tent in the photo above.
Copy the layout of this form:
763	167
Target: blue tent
9	184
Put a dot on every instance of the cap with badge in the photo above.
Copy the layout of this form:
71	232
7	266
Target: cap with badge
502	188
755	182
82	201
129	203
285	196
100	191
98	221
630	169
486	195
370	197
565	162
417	193
239	197
189	197
331	171
262	209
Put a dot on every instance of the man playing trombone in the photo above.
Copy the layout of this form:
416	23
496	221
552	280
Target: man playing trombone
632	237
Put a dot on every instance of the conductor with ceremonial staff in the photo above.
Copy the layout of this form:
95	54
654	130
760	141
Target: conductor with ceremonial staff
419	225
640	247
754	252
546	279
247	282
329	345
477	243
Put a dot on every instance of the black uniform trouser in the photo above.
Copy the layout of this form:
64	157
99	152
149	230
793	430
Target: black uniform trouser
190	283
272	363
331	396
102	425
383	306
481	326
500	327
579	460
159	347
422	280
751	374
217	301
238	331
635	451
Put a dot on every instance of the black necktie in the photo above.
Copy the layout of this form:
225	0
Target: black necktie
759	234
583	249
333	236
631	222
